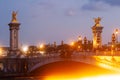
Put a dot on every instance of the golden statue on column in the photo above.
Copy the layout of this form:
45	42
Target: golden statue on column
14	17
97	21
97	31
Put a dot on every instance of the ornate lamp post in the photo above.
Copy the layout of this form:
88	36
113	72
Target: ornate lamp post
25	50
116	34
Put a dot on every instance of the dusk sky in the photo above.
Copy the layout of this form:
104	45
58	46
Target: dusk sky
55	20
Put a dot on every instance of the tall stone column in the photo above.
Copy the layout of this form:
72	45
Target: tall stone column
97	30
14	37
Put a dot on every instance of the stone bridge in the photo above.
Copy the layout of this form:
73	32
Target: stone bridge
35	63
23	66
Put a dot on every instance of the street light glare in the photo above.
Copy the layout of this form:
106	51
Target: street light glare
1	52
41	46
25	48
72	43
79	38
116	31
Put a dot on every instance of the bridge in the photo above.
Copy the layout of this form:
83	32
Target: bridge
23	66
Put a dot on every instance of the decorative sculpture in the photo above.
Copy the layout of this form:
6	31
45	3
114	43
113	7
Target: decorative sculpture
97	21
14	17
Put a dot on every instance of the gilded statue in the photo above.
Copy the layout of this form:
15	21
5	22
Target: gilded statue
97	21
14	17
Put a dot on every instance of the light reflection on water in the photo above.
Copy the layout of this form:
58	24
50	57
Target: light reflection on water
104	77
101	77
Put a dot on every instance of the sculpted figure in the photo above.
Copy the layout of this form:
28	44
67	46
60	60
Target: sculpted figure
97	21
14	15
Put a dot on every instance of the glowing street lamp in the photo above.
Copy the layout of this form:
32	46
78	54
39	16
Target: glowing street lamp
41	46
42	51
116	33
79	38
1	52
25	49
112	46
72	43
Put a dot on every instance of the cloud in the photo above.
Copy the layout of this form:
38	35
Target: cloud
95	5
110	2
70	12
46	5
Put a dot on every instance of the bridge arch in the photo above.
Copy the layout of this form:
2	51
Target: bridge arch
44	63
52	60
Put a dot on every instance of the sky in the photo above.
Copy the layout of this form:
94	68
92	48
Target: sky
46	21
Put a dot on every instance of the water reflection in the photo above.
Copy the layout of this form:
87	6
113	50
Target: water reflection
102	77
